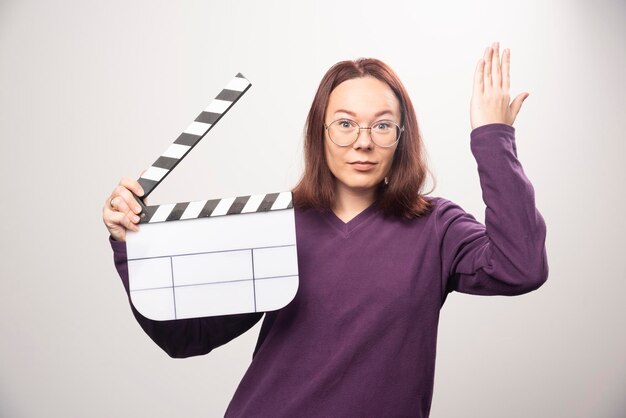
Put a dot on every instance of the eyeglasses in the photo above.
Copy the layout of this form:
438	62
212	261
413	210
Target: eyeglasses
344	132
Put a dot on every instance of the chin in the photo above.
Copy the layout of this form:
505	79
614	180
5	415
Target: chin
360	185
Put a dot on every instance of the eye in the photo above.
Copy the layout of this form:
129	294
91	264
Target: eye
345	123
382	126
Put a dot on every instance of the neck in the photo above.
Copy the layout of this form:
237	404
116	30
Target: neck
349	202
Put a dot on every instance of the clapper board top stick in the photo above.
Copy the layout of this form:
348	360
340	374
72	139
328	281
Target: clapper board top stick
211	257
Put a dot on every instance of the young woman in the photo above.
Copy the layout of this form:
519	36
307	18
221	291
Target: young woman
376	256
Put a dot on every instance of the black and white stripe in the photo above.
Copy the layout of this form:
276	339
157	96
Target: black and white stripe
217	207
193	134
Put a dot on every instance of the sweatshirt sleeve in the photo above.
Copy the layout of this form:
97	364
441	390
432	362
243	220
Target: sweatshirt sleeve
507	255
182	338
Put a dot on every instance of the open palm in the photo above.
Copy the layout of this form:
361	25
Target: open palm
490	95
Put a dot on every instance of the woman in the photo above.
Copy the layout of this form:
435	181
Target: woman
376	257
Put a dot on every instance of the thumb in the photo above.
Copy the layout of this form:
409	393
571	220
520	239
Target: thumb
516	104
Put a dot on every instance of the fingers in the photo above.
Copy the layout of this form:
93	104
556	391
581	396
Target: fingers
506	65
124	220
487	72
140	192
478	77
112	217
132	185
496	75
121	208
119	204
125	201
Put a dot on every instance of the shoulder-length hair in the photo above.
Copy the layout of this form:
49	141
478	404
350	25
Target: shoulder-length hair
402	197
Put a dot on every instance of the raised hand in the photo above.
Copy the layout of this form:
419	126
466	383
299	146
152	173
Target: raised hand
490	96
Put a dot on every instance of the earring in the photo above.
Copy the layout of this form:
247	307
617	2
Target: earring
386	180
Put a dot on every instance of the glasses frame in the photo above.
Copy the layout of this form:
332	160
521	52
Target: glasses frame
400	129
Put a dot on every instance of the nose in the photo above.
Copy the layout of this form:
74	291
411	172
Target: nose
364	139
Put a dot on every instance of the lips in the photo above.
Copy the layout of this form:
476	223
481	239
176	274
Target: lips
362	165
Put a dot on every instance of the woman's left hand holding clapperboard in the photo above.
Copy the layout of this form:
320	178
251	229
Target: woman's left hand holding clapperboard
123	207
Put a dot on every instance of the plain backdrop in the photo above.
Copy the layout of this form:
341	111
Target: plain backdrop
93	91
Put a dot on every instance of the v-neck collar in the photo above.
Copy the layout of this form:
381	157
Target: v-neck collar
345	228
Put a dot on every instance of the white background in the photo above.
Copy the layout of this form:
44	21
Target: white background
92	91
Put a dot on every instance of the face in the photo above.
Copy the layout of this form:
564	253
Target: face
365	100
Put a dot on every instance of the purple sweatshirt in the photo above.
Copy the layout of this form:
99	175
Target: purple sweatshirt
359	338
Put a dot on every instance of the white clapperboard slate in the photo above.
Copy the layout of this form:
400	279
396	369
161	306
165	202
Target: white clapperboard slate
211	257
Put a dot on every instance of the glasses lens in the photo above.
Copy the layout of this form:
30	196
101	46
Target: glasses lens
385	133
343	131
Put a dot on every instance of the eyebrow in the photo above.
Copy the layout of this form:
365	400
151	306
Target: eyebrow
382	112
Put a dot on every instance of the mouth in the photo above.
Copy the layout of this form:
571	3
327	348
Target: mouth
362	165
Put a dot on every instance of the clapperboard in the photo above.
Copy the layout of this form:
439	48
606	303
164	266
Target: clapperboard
211	257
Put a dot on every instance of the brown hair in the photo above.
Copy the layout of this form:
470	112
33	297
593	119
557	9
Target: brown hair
401	197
